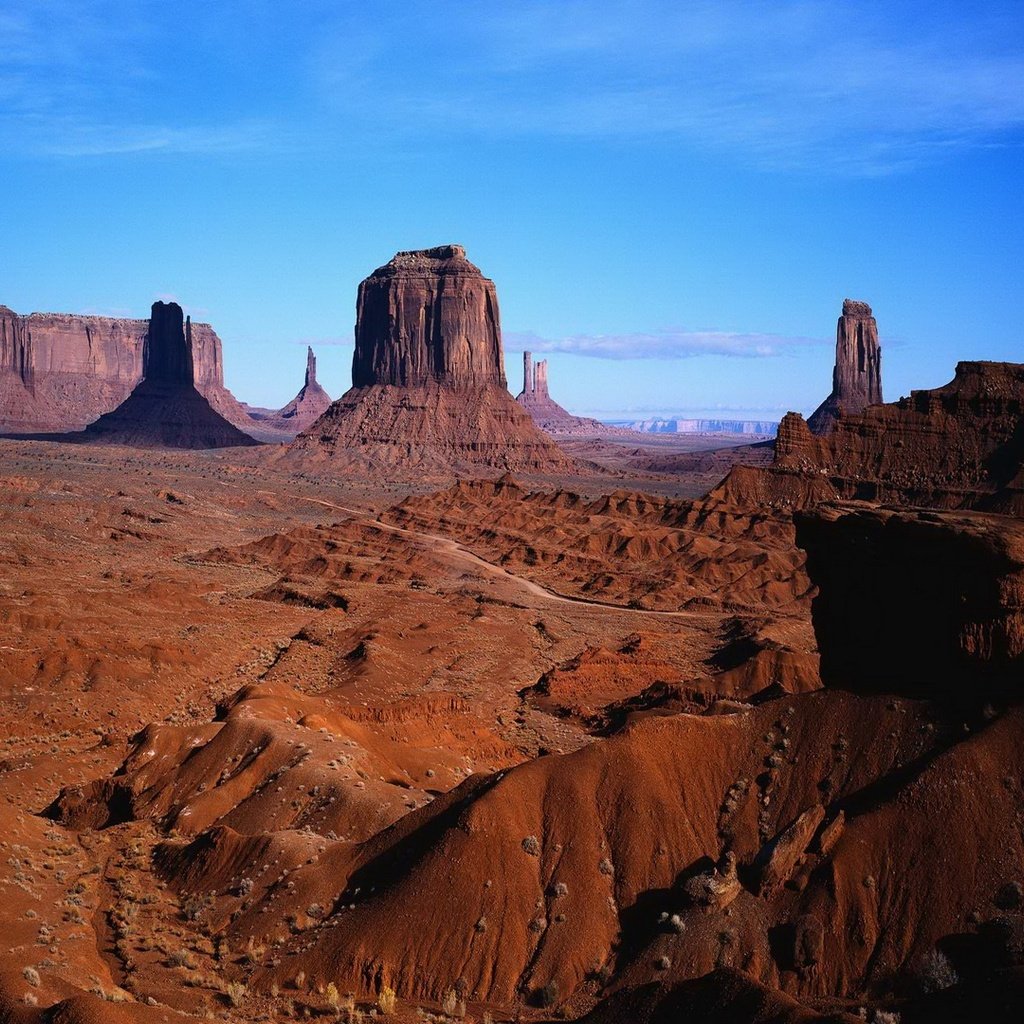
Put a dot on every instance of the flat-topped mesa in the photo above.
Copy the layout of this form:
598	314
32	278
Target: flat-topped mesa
857	376
428	315
60	371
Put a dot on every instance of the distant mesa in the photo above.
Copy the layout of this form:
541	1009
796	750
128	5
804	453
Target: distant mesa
428	381
681	425
165	410
857	376
302	411
61	371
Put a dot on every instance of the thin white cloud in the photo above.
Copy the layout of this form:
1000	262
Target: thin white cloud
662	344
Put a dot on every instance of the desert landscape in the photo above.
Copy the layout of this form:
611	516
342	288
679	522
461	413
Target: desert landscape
464	557
425	715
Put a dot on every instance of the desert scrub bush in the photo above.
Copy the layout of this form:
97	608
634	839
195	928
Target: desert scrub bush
333	997
236	992
934	972
181	958
31	975
387	1000
531	845
450	1003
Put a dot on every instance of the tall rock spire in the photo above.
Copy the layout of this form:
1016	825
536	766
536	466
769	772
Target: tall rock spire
310	366
857	376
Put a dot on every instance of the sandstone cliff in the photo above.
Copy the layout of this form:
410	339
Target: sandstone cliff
429	391
165	410
60	371
857	375
428	316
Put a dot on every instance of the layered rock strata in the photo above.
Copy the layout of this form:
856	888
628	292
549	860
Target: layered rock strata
957	446
857	375
429	389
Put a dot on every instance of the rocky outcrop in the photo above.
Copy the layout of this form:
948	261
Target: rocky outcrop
165	410
302	411
428	316
857	375
428	391
917	603
547	413
957	446
60	371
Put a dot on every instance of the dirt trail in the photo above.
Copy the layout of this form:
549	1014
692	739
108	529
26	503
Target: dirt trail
451	547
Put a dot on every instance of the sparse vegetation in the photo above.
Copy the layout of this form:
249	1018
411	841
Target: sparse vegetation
531	845
236	992
387	1000
935	972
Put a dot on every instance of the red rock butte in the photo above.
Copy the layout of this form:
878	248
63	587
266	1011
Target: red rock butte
548	414
165	410
429	390
427	316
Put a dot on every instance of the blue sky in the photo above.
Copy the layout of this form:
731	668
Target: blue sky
673	199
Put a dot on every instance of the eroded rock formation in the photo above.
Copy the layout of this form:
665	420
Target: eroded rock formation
428	316
546	412
302	411
957	446
429	389
165	409
857	375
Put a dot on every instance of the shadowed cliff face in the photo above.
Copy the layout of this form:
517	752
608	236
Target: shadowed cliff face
428	316
857	376
917	602
167	356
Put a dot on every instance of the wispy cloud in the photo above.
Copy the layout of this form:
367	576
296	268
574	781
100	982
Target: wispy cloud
662	344
845	86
